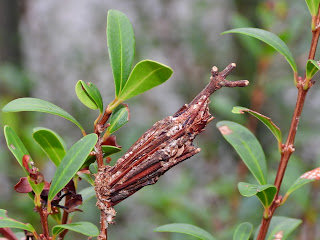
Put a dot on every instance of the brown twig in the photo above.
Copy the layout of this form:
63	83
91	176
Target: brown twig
166	144
288	147
44	221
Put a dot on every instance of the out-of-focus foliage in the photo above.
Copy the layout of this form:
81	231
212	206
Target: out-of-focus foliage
184	35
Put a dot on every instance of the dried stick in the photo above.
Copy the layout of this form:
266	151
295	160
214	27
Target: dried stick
167	143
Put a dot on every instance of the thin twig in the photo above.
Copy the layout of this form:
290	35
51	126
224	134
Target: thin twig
288	147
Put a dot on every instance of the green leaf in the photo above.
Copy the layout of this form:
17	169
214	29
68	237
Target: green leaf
119	117
312	68
186	229
121	47
51	143
264	119
280	227
85	228
71	163
247	146
37	188
313	6
16	146
96	95
89	95
38	105
86	177
93	168
11	223
265	193
243	231
307	177
269	38
145	75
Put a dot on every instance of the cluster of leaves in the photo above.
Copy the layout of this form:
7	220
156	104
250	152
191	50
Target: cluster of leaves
79	161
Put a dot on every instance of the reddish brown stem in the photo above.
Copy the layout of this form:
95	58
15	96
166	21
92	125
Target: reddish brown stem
288	147
44	221
64	220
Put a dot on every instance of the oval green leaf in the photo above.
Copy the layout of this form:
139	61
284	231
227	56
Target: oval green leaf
16	146
243	231
248	148
84	96
270	39
96	95
264	119
71	163
85	228
313	6
51	143
107	150
312	68
121	47
120	116
307	177
265	193
11	223
281	227
38	105
145	75
186	229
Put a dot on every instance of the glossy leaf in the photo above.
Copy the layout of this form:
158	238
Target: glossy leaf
265	193
119	117
85	228
185	229
281	227
51	143
121	47
307	177
247	146
11	223
243	231
312	68
84	96
96	95
71	163
269	38
145	75
313	6
16	146
89	95
38	105
264	119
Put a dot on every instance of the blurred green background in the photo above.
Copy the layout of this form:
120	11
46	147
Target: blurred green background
47	46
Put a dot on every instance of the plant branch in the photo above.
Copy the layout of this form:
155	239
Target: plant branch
44	221
288	147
